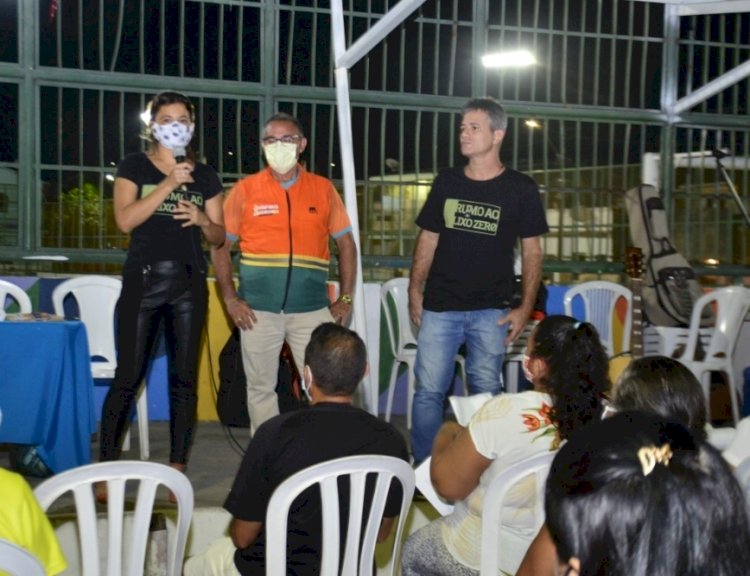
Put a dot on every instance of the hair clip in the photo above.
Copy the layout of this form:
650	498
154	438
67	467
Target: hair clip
651	455
577	325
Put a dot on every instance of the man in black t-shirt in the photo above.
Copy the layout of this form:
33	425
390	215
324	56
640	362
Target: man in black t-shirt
462	278
335	363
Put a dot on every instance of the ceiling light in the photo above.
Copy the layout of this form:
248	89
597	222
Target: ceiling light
514	59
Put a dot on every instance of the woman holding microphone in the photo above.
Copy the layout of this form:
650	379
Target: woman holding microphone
168	202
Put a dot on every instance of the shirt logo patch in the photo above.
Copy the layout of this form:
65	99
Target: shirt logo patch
265	209
312	210
474	217
171	202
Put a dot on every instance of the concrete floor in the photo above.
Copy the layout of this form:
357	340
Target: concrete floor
216	455
215	458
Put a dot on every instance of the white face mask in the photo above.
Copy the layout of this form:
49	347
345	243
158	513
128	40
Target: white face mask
306	390
281	156
173	135
306	376
525	367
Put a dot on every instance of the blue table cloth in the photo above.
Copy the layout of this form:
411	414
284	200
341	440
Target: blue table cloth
46	390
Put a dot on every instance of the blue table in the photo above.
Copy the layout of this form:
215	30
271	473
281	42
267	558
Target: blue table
46	390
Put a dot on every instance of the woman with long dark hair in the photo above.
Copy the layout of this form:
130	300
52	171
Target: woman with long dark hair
665	387
654	385
168	202
568	367
640	496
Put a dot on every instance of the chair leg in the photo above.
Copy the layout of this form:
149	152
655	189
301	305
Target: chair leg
461	361
411	383
705	380
391	389
374	392
733	395
142	407
510	378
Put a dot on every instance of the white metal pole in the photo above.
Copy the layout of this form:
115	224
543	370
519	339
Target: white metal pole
344	60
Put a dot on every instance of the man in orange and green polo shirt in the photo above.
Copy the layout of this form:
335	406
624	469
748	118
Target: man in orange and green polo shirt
282	217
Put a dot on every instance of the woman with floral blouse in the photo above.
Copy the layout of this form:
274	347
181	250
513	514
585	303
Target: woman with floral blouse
568	368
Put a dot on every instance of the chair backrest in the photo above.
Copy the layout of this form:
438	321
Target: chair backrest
737	449
148	476
425	486
732	304
515	350
493	506
97	298
394	297
359	550
18	561
17	293
599	299
742	472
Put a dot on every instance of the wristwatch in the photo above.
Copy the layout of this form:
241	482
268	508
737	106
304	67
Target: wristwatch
346	299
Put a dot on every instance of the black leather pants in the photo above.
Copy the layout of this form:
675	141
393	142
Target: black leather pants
175	296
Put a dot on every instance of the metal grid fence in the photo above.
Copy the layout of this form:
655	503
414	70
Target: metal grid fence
75	75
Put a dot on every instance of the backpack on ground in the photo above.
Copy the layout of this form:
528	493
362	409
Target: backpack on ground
231	399
670	287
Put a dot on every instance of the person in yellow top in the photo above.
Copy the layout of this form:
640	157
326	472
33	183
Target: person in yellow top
23	522
283	218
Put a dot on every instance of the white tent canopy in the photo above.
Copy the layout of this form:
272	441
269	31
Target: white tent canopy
697	7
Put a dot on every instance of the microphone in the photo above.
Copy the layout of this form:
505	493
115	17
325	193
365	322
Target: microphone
180	155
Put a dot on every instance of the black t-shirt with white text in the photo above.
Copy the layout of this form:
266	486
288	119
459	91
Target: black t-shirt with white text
479	223
161	238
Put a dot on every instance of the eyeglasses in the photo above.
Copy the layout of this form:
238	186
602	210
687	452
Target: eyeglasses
288	139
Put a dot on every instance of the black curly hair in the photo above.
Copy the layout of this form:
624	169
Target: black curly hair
577	375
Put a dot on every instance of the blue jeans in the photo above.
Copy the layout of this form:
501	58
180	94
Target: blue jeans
441	334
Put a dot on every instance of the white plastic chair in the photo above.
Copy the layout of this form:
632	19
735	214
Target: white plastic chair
425	486
464	408
394	297
514	353
359	551
492	508
371	335
742	473
737	449
17	293
732	305
599	299
720	438
97	298
148	476
18	561
394	293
